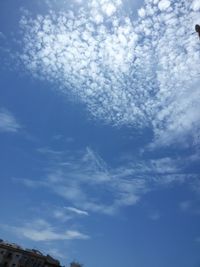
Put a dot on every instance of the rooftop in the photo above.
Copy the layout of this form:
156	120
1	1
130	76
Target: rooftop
32	251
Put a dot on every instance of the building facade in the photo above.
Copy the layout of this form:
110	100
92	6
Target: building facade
12	255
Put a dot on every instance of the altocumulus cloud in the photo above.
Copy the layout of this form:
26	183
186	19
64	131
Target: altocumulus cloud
138	73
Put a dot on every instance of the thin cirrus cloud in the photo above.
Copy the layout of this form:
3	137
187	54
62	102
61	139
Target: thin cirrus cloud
64	214
77	211
8	122
40	230
88	185
140	73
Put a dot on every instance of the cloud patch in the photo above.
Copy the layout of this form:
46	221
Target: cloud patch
88	185
41	231
8	122
139	73
77	211
164	5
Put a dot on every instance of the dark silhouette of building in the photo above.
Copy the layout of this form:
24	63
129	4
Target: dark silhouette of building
12	255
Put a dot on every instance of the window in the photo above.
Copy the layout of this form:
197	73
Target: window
17	255
9	255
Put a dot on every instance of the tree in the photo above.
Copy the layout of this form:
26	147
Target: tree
75	264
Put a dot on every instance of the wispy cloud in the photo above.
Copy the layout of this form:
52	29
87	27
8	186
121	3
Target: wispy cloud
77	211
64	214
8	122
140	73
40	230
61	214
89	185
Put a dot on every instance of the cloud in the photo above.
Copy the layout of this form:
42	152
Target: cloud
143	73
196	5
164	5
64	214
61	215
89	185
42	231
8	122
77	211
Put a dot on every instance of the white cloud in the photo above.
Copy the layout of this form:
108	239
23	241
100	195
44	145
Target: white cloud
142	12
64	214
8	122
61	215
109	9
89	185
196	5
40	230
77	211
139	73
164	4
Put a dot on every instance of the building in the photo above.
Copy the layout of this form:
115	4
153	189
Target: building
12	255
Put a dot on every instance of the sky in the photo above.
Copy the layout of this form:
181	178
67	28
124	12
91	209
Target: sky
100	130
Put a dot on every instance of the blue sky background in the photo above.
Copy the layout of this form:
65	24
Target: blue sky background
99	130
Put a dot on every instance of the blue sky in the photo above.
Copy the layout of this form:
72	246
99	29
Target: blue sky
99	130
